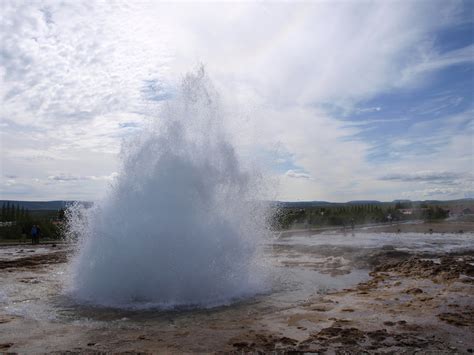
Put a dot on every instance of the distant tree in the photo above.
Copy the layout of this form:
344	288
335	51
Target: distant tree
61	214
8	212
17	216
435	212
4	212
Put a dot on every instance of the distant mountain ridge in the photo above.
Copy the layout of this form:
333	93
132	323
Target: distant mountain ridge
42	205
59	204
305	204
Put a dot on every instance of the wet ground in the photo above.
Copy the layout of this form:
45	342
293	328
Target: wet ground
372	291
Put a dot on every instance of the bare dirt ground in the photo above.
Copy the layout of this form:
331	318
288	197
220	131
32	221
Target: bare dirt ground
411	302
26	260
409	305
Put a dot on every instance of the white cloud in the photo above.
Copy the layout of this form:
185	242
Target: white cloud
69	177
424	176
368	109
78	77
436	61
297	174
444	192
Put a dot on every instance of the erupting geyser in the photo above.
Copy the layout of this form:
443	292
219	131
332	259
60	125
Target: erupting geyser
180	226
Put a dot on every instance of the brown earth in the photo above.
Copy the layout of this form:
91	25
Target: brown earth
35	261
411	303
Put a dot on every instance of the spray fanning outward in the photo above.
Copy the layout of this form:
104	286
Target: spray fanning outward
181	225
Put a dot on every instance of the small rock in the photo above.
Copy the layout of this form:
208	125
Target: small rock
5	346
378	335
414	291
241	344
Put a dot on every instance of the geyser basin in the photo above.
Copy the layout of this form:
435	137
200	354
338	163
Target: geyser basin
177	227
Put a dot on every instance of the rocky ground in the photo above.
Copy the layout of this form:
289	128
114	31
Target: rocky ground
25	258
409	305
411	302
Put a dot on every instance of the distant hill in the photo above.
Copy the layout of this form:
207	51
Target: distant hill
41	205
364	202
57	205
307	204
304	204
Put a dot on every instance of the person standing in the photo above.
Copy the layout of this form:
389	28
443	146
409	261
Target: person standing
34	232
38	234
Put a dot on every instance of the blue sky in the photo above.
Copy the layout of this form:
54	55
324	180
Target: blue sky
447	93
333	100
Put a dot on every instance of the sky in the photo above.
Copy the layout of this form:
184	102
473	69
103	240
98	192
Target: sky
334	100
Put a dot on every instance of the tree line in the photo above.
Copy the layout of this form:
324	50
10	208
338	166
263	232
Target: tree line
348	215
11	213
16	222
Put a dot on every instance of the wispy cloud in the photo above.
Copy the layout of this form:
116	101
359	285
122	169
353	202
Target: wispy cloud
77	78
368	109
436	61
425	176
443	192
297	174
69	177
